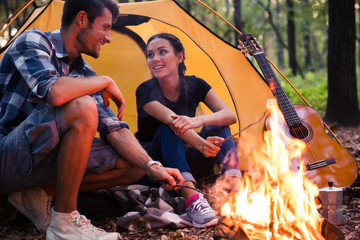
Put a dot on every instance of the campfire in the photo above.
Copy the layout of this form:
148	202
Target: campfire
276	200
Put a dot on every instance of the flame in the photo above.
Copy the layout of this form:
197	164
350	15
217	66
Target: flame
275	201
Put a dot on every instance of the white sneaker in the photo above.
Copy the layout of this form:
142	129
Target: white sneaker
201	213
75	226
34	204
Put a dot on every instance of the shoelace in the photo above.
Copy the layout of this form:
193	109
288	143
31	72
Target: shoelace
85	225
201	205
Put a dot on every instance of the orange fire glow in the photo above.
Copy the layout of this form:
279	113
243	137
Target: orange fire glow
276	200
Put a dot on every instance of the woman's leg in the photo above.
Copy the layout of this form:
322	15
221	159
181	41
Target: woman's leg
226	159
173	155
168	148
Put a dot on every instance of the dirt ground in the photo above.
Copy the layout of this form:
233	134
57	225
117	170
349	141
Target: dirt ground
14	225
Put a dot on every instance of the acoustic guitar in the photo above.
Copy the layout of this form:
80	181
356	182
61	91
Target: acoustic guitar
325	159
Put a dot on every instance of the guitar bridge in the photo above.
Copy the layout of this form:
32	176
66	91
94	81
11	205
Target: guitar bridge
320	164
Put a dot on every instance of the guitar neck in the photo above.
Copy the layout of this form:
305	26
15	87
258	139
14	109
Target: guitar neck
290	115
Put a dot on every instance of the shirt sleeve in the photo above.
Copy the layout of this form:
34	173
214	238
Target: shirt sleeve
108	122
202	88
32	56
145	93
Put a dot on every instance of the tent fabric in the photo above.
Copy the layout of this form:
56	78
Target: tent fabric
209	57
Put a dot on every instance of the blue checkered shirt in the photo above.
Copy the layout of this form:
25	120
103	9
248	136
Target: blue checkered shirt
28	69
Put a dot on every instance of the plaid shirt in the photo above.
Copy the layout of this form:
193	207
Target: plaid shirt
28	69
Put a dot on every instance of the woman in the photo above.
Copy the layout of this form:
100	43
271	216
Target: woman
166	106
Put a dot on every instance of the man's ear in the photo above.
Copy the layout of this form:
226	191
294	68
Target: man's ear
82	19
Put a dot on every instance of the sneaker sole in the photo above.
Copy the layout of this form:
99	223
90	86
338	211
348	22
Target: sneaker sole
19	207
208	224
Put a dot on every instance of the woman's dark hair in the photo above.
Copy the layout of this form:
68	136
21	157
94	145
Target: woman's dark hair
92	8
176	44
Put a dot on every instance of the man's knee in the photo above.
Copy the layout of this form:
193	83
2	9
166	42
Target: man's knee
122	164
81	111
125	169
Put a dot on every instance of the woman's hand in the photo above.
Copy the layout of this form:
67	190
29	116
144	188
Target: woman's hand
184	123
212	146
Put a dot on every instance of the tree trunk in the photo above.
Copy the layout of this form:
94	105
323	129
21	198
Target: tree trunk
188	6
291	36
307	38
317	54
7	10
239	24
280	47
358	38
342	106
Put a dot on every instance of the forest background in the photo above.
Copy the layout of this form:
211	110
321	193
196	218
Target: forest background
314	43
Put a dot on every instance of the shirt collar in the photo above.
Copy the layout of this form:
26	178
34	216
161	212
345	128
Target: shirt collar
56	39
61	53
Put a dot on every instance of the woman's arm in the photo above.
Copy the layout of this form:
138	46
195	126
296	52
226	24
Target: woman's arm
222	115
163	114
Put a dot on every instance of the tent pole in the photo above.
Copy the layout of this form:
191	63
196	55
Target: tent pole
14	16
287	80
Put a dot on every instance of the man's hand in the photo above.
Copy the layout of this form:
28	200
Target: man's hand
168	177
113	92
212	146
184	123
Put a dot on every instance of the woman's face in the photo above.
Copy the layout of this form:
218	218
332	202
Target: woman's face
162	60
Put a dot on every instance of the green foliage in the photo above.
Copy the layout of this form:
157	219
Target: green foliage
313	88
209	19
267	21
7	9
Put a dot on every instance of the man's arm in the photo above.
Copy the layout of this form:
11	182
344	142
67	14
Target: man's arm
128	147
67	88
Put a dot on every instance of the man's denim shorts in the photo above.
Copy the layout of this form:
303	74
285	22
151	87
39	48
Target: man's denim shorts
28	153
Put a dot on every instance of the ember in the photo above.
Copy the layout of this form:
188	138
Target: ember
276	200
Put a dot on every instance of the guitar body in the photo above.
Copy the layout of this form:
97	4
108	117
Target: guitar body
341	168
325	159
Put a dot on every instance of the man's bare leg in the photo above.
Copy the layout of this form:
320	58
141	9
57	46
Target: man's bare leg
81	119
122	174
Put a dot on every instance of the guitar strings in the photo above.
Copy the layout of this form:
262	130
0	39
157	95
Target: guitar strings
311	149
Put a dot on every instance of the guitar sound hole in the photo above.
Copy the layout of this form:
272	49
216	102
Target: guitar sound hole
299	131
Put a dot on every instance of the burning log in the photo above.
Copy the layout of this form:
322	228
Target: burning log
331	232
275	200
227	229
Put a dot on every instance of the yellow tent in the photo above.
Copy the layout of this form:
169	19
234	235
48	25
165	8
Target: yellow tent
223	66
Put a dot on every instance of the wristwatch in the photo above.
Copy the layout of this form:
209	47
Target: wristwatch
149	164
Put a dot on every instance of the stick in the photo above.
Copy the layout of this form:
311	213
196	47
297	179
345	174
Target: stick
239	132
198	190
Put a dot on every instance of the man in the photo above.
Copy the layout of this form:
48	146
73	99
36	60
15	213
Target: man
52	104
